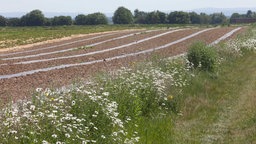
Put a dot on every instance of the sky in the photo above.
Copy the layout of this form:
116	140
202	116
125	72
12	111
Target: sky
109	6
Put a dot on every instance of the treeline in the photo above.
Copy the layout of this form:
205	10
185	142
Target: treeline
178	17
37	18
123	16
236	17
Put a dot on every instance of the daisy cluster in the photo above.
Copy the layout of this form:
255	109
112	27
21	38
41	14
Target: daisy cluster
107	109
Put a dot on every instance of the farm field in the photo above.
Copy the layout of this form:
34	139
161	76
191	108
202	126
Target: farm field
132	86
15	36
63	62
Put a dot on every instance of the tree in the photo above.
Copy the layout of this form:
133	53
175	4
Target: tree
234	16
80	19
23	20
48	21
194	18
33	18
249	14
62	20
178	17
3	21
122	16
91	19
218	18
156	17
13	22
162	16
152	18
204	18
140	17
96	19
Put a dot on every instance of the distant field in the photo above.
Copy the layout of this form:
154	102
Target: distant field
14	36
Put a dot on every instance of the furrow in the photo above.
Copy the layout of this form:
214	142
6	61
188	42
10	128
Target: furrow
225	36
55	46
102	60
74	48
101	51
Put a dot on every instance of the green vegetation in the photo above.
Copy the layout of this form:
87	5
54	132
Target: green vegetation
61	20
202	56
156	101
33	18
178	17
13	36
91	19
220	110
236	16
123	16
3	21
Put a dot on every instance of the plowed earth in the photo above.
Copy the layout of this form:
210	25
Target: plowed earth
98	51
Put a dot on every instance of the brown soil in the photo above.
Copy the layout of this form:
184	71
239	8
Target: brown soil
11	69
20	87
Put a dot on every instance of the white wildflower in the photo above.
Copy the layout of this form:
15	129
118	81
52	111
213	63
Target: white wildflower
39	90
32	107
67	135
54	136
45	142
105	94
73	103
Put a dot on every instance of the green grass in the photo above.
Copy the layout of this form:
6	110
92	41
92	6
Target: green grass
220	110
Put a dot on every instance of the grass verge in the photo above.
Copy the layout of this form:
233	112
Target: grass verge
220	110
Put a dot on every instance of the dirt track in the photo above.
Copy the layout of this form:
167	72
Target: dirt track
20	86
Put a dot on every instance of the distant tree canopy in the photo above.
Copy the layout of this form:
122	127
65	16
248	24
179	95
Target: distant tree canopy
91	19
218	18
80	19
194	18
122	16
178	17
13	22
3	21
243	18
33	18
61	20
96	19
204	18
156	17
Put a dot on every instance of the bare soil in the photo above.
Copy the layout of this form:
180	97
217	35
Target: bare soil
22	87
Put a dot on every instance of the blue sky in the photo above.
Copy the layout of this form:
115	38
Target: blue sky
109	6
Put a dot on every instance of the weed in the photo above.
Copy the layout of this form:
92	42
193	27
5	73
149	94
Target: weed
202	57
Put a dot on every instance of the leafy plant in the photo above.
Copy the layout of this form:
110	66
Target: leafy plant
202	56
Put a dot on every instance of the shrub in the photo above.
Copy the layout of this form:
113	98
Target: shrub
202	56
